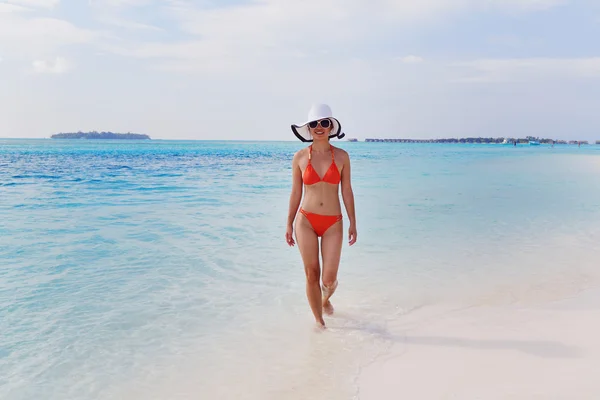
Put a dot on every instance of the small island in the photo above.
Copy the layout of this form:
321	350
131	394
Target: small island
100	135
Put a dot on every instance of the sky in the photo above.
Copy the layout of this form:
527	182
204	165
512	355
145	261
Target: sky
247	70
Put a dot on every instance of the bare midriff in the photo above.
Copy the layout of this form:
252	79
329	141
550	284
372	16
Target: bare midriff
322	198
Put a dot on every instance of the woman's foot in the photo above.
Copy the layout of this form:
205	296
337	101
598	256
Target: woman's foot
327	308
327	292
320	325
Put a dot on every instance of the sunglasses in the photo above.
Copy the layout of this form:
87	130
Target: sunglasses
325	123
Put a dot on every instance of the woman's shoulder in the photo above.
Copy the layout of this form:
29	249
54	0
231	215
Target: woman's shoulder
300	154
303	151
340	153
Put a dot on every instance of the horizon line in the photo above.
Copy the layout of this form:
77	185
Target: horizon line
354	140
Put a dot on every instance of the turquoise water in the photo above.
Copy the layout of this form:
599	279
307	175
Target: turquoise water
160	270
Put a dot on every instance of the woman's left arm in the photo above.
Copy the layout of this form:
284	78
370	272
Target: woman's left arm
348	197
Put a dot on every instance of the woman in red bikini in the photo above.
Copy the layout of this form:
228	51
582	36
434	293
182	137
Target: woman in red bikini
320	169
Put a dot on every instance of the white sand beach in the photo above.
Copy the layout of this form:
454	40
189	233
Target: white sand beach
549	351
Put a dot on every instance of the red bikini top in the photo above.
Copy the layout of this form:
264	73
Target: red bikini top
310	176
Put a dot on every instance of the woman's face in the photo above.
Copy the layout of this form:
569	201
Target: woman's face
320	129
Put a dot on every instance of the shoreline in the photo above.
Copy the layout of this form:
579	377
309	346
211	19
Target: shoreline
514	351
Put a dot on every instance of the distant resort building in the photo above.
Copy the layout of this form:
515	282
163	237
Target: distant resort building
529	140
446	140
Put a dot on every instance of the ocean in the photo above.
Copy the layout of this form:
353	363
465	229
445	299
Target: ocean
159	269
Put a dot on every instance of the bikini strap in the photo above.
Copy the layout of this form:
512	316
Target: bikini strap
310	153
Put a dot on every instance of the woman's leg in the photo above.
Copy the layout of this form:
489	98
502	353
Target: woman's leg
331	248
308	244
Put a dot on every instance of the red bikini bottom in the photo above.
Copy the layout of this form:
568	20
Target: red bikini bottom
321	223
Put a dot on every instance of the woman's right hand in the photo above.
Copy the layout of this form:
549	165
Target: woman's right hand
289	235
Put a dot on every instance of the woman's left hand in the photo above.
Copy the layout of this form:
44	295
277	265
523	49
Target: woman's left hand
352	234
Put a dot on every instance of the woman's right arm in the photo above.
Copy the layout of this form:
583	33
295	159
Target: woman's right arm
296	194
295	198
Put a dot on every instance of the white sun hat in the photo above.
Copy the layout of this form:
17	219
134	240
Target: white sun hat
318	112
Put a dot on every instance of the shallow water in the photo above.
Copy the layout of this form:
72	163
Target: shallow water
159	269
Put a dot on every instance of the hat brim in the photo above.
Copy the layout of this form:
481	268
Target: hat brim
303	133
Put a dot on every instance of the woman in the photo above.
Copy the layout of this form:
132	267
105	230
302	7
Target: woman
320	169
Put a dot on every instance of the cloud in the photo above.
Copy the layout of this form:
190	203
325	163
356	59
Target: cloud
120	3
505	40
527	5
411	59
38	36
530	69
9	8
35	3
117	14
274	31
127	24
203	37
57	66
